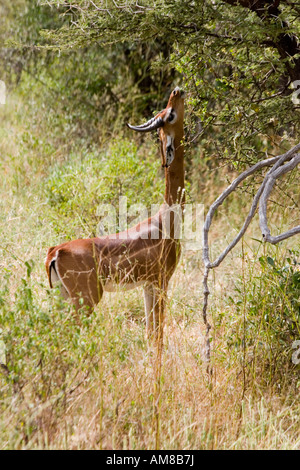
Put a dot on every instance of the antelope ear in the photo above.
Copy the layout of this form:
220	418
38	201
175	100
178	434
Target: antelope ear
170	150
172	116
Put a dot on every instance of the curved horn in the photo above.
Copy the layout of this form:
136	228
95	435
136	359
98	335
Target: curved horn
146	123
154	123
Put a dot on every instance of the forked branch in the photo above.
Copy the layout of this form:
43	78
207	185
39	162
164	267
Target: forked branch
279	166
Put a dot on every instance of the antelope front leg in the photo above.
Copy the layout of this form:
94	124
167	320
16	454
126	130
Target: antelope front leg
148	300
155	299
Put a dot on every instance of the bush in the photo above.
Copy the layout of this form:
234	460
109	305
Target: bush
266	317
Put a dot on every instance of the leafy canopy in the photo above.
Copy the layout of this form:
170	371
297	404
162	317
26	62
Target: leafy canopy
237	60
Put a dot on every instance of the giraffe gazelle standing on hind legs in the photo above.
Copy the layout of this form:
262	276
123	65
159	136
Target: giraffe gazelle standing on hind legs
141	255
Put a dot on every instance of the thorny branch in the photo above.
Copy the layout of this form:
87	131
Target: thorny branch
280	165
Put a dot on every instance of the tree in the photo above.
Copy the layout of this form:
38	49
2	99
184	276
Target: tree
238	60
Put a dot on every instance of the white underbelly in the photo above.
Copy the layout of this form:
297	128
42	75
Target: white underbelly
112	286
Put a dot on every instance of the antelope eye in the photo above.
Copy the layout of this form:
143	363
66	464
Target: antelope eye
174	92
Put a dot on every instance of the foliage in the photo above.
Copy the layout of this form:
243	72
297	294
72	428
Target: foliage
79	187
230	58
268	308
20	22
103	86
105	62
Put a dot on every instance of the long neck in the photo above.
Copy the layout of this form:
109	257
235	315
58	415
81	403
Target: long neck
174	175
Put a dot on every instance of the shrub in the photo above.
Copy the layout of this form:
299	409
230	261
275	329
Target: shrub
266	318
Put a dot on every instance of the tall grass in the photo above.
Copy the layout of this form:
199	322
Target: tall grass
94	384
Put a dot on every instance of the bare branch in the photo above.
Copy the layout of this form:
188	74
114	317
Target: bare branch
270	181
276	161
280	165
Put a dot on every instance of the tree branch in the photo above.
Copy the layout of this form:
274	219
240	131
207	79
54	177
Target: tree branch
270	181
280	165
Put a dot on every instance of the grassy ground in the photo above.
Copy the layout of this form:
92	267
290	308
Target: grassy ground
94	385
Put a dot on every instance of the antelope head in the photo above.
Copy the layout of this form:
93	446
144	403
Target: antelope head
169	122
